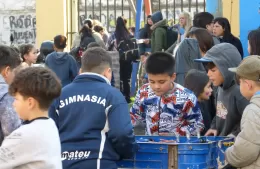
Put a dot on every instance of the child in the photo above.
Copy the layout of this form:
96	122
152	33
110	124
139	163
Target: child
245	152
29	54
93	117
36	143
95	44
9	120
166	107
203	91
60	62
230	102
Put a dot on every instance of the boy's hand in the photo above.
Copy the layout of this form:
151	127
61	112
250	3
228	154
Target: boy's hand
211	132
133	119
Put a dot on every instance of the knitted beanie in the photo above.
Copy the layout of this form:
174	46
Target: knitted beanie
196	81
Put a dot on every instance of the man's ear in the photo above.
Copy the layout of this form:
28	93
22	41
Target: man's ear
5	71
173	77
108	73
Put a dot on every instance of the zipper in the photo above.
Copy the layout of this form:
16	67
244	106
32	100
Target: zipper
159	114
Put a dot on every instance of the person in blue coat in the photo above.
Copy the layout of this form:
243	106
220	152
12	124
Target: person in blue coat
62	63
93	117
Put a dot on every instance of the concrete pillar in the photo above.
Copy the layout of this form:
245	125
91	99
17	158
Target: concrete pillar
231	12
51	19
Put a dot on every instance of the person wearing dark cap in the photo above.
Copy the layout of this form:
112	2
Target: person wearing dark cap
203	91
245	151
230	102
60	62
159	35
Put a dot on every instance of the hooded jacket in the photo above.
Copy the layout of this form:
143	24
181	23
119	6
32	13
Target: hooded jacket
187	51
159	35
93	119
230	102
9	120
245	152
64	65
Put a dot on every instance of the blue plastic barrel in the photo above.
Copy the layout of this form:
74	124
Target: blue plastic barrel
203	153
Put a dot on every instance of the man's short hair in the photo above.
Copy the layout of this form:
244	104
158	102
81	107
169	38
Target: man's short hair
9	57
37	82
202	19
160	63
60	41
95	60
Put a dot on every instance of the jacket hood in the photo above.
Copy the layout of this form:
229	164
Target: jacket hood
3	87
255	100
159	24
225	56
60	57
157	16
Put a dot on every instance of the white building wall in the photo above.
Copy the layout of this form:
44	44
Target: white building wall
17	18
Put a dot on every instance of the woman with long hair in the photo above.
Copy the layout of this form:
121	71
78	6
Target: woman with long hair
86	36
184	25
254	42
121	34
222	30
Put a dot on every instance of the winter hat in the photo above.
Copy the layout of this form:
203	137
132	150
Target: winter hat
157	16
196	81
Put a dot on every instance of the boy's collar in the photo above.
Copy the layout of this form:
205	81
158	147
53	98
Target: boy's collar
96	74
2	80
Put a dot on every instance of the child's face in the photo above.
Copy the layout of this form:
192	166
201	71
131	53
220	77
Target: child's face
21	106
206	93
161	83
31	57
215	76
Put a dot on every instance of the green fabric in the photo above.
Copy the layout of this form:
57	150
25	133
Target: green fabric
158	40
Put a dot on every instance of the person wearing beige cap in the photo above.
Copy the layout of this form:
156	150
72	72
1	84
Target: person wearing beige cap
245	151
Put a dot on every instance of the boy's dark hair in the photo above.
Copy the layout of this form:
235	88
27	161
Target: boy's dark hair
60	41
202	19
210	65
98	28
93	44
25	49
37	82
160	63
9	57
196	81
254	42
204	38
95	60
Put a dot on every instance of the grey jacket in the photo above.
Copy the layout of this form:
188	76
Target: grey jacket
184	58
245	152
9	120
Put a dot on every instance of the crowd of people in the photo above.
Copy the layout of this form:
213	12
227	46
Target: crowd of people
193	80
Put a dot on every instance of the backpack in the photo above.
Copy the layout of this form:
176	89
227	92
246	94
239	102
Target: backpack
128	50
172	36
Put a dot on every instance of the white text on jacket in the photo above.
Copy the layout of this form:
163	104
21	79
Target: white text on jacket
82	98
